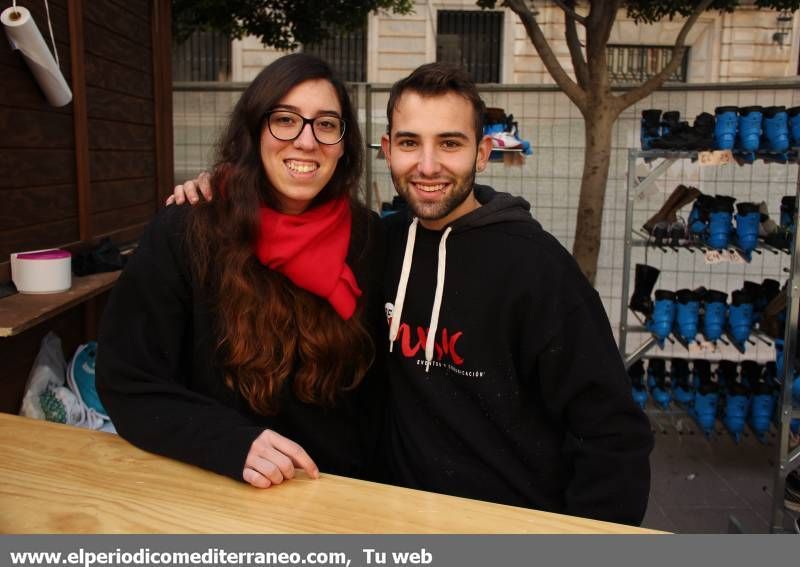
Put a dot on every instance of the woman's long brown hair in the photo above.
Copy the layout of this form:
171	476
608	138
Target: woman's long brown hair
270	330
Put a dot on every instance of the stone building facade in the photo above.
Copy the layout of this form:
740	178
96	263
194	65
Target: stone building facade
748	44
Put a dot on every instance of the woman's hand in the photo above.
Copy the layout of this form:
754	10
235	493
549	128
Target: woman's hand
272	459
191	191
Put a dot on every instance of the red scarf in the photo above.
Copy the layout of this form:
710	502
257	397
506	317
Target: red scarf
310	249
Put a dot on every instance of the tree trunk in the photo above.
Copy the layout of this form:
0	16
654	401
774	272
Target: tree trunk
599	120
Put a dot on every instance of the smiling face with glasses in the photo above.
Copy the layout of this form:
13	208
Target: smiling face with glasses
301	143
287	125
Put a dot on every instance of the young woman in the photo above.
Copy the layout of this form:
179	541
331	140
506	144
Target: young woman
239	336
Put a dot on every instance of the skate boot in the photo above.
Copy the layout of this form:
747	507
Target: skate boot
748	219
644	282
682	389
725	128
638	389
714	314
661	322
740	316
687	314
650	128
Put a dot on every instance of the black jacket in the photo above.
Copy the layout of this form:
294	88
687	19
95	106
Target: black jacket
526	401
160	380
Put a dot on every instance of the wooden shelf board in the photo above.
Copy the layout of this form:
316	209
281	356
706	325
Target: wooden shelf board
21	311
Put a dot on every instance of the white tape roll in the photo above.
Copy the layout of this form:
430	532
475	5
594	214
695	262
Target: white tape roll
42	271
25	36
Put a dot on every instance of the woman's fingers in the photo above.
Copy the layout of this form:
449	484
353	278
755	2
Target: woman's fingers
295	452
255	478
272	459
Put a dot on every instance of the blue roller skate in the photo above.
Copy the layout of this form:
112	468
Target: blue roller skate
638	389
725	128
762	399
682	389
662	389
793	115
706	398
687	314
779	359
775	128
748	220
656	368
663	318
650	128
714	314
720	224
698	217
734	412
740	317
748	132
700	367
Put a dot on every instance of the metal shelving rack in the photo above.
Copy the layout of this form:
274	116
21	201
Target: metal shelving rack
786	461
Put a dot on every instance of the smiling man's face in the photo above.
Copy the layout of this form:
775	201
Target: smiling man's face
433	155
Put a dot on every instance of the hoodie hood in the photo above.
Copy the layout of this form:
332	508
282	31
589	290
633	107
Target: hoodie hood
495	208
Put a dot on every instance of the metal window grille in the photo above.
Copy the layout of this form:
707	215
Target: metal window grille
205	56
473	40
345	52
637	63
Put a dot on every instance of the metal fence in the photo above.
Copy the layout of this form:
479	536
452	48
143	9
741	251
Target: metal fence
550	178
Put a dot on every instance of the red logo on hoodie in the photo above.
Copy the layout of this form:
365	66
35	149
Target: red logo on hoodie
446	345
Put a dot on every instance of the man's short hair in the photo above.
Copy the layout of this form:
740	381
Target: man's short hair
435	79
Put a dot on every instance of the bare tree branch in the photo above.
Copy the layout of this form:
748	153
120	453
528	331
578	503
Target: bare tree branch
550	61
570	12
638	93
601	19
575	51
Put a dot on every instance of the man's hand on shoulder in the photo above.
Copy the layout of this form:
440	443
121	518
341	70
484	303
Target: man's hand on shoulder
192	191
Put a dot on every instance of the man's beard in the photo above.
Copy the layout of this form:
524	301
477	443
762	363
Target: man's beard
439	209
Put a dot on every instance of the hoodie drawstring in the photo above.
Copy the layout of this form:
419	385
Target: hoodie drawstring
437	299
399	299
401	287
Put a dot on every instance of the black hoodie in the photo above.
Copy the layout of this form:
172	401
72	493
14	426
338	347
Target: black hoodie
526	400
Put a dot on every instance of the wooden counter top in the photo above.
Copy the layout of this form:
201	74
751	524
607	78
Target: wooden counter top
60	479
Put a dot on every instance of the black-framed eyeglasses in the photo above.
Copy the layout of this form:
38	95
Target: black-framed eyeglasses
286	125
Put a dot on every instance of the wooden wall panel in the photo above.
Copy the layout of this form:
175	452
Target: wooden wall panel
116	55
114	219
36	205
108	135
111	46
110	105
137	8
123	193
120	21
22	129
107	166
117	77
32	167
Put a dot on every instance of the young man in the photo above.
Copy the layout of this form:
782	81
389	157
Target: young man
505	381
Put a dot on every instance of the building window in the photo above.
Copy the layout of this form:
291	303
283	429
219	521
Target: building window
473	40
205	56
637	63
346	53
